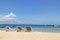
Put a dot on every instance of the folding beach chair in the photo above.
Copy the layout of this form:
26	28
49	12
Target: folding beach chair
28	29
7	28
19	29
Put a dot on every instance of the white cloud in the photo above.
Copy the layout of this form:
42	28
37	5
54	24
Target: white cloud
12	18
8	17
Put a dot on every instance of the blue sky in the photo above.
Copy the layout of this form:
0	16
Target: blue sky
30	11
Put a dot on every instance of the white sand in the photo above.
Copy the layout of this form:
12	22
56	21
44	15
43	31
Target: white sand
29	36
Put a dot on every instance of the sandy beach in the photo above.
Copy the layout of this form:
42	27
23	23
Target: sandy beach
29	36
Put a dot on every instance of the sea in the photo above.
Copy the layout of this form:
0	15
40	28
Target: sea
35	28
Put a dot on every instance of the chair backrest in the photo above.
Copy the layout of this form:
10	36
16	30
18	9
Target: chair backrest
7	28
19	29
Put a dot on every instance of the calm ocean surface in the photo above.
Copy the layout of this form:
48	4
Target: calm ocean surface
39	28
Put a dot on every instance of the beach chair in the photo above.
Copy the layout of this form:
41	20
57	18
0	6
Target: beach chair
28	29
19	29
7	28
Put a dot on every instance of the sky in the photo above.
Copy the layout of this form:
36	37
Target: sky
29	11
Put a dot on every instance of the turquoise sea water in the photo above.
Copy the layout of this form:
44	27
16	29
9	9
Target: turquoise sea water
47	29
39	28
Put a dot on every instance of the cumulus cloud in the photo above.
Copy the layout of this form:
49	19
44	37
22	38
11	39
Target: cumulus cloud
8	17
12	18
